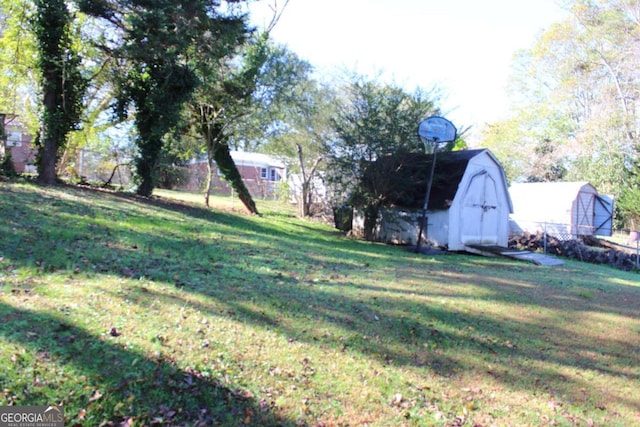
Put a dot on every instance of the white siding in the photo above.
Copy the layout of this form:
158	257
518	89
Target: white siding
479	212
401	226
564	209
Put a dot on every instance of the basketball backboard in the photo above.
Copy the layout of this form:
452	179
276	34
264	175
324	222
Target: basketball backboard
437	129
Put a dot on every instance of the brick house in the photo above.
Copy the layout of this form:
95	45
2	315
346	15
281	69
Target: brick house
261	173
18	142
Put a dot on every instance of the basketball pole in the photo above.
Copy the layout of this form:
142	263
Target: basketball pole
433	129
427	195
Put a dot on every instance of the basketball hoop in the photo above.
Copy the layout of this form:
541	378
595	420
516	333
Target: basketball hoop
432	131
437	129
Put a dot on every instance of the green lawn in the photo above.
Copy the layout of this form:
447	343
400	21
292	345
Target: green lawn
133	312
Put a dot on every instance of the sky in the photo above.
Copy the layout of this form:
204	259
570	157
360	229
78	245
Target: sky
464	48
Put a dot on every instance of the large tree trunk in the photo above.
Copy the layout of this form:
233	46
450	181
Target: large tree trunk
48	144
227	166
150	145
145	169
47	159
218	151
62	83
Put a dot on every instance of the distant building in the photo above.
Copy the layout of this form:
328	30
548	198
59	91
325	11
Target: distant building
261	173
18	142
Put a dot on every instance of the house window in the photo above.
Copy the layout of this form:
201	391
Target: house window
263	173
275	176
14	138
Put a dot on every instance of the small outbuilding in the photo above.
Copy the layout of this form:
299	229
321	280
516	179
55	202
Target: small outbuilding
562	209
469	204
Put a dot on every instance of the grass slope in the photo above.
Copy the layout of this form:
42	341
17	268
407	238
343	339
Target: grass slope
130	312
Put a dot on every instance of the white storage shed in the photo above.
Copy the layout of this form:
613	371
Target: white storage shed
469	204
562	209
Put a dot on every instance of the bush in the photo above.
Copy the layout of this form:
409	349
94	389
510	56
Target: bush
7	168
629	206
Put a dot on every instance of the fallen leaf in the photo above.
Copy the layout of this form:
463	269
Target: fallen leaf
96	395
397	399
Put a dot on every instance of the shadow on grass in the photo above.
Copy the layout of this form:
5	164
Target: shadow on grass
289	275
114	379
523	354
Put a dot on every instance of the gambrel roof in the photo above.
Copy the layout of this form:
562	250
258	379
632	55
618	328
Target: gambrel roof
450	169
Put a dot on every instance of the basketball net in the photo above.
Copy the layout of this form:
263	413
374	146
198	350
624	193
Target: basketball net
429	145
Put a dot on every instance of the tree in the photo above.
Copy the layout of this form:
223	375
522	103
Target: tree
373	121
578	87
629	205
312	135
99	131
546	167
530	144
17	62
156	78
19	83
596	61
295	113
61	83
223	99
234	87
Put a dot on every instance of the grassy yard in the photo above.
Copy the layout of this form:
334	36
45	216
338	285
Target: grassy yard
136	313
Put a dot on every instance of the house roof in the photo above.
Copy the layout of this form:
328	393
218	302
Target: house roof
551	198
545	188
246	158
450	168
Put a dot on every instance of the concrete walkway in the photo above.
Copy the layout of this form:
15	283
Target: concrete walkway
534	257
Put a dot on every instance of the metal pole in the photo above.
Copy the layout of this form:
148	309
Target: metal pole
426	198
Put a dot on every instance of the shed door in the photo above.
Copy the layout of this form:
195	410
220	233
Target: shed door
480	211
603	215
584	213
